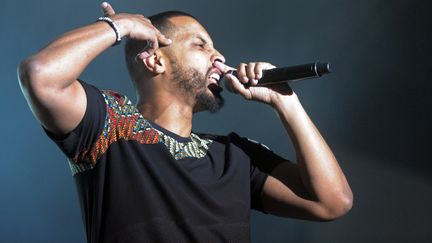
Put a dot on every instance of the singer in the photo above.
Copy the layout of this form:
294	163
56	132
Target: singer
142	174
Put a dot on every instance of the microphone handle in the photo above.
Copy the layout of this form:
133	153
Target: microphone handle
293	73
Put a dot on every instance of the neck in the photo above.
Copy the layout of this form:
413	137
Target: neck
168	111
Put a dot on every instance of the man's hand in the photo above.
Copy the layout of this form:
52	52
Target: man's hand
138	27
49	78
313	188
250	74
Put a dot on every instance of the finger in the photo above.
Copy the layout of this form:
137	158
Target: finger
152	45
143	55
162	39
149	50
237	87
222	66
107	9
259	70
260	67
250	70
229	80
241	73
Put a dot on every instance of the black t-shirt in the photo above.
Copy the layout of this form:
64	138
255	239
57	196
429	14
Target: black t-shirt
138	182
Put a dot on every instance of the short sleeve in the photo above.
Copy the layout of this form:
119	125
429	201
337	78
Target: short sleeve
87	131
263	161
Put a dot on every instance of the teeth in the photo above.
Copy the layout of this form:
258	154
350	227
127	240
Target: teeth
215	76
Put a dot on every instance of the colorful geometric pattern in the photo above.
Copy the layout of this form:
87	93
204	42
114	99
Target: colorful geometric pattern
197	148
124	121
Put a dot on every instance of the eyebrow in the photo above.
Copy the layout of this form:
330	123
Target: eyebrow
203	39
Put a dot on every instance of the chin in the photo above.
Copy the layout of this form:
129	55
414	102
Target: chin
209	101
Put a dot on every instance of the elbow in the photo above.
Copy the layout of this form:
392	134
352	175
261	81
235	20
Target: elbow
345	204
30	73
339	207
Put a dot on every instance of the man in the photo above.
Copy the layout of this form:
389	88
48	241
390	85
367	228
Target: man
142	174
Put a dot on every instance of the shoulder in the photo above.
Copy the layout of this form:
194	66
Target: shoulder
229	138
259	154
112	96
234	139
119	104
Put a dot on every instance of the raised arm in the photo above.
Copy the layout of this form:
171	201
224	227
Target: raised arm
314	188
48	78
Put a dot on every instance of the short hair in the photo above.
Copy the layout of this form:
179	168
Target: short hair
162	22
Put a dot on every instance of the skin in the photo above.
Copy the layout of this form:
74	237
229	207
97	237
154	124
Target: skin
160	100
314	188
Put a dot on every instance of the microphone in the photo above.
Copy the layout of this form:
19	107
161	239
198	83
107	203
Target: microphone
289	74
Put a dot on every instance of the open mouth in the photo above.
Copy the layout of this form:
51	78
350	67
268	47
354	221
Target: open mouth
214	79
215	88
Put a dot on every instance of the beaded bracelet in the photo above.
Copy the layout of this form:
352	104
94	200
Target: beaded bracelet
113	26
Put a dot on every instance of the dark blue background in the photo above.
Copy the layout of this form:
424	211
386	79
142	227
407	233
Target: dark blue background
374	110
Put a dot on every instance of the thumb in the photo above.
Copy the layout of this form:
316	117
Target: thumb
162	39
107	9
223	67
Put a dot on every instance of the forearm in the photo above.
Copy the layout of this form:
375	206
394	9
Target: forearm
315	187
319	170
61	62
49	78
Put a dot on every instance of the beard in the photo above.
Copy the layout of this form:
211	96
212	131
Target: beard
193	83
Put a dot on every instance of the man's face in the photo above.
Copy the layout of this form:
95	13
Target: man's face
192	58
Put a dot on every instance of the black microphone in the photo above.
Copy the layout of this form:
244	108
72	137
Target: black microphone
288	74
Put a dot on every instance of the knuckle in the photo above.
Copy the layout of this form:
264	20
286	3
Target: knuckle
258	68
250	68
156	45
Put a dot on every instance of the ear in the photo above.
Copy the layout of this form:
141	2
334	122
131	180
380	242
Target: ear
155	63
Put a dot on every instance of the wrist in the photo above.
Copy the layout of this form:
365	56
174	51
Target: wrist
287	105
282	100
123	25
114	28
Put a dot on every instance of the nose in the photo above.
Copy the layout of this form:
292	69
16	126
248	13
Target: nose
217	57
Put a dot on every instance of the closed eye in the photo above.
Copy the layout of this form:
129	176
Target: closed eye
200	45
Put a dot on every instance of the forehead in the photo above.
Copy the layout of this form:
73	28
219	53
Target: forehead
187	28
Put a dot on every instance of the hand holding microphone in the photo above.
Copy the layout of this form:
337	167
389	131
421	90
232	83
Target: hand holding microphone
258	74
293	73
289	74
